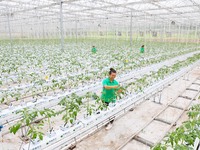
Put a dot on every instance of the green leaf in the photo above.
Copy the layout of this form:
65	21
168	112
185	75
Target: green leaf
40	136
15	128
181	147
159	147
27	121
2	100
71	121
30	131
75	113
41	112
34	135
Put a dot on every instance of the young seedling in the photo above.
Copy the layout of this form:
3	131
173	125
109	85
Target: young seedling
48	113
55	85
100	105
62	84
16	95
90	108
5	98
71	107
29	130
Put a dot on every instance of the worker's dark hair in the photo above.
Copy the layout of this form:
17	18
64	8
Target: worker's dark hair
142	45
112	71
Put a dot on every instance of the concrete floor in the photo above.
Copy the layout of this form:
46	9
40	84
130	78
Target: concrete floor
129	124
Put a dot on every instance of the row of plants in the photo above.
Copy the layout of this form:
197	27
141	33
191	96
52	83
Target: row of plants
46	62
31	126
72	107
121	63
154	76
43	86
55	65
183	138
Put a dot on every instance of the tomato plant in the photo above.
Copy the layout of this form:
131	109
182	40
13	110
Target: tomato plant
71	107
29	129
183	137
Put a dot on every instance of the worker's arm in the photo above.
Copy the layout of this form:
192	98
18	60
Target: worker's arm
111	87
120	89
106	86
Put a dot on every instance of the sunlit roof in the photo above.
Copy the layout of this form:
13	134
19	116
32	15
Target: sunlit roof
30	12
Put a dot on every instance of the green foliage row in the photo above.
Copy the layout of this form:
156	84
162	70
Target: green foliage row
183	137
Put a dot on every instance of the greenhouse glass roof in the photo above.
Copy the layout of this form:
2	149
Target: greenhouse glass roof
114	11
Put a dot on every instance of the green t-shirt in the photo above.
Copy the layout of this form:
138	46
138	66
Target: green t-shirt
109	95
94	50
142	49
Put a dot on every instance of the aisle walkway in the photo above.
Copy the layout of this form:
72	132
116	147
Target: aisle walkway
132	121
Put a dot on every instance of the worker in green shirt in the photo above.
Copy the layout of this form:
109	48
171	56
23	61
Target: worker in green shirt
94	50
142	49
110	88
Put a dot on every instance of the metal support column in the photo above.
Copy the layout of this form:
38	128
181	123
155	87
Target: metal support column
9	31
187	40
61	26
76	29
170	34
179	30
131	31
21	29
145	33
43	33
115	30
164	35
196	37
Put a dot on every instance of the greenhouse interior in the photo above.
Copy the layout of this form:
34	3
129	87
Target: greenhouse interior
100	75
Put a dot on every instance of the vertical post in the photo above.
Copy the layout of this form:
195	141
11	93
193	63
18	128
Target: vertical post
28	32
179	30
21	30
137	31
163	33
145	30
43	33
127	36
187	35
33	28
170	34
61	26
196	37
76	30
98	32
154	30
9	32
37	28
106	31
131	31
116	35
